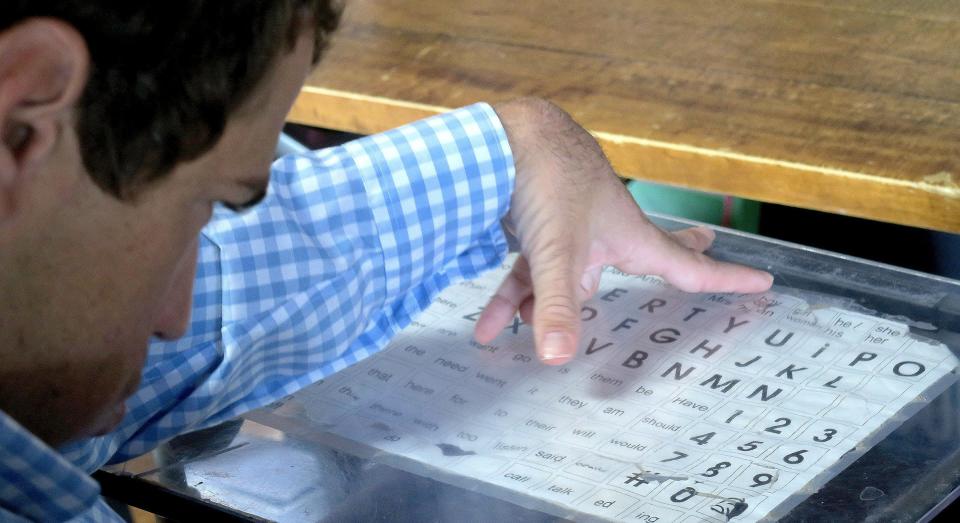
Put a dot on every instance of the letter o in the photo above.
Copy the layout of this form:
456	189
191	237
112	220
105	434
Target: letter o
920	368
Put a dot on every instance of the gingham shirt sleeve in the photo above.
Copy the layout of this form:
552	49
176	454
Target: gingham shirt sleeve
350	243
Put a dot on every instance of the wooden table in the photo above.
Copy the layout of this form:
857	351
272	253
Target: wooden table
849	107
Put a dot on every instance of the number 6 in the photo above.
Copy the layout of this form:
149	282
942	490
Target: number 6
794	458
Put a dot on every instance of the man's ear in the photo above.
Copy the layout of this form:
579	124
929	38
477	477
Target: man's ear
43	71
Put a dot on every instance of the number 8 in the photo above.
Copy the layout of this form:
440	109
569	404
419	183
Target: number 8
714	470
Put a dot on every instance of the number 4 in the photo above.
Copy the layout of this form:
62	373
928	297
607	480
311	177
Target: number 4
703	439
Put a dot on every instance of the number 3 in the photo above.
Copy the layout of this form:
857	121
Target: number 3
828	435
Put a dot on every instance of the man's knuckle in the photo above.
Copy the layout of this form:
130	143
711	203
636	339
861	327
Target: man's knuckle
559	308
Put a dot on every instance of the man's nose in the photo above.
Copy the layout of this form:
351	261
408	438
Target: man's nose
173	317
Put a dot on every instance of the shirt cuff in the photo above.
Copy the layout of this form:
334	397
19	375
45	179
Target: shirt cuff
438	189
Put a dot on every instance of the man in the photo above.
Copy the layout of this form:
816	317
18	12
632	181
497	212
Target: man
123	124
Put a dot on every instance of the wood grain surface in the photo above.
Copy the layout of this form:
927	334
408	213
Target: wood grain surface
849	107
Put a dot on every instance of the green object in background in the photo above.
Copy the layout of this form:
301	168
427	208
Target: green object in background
714	209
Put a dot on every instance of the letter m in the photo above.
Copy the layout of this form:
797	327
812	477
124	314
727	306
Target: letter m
714	383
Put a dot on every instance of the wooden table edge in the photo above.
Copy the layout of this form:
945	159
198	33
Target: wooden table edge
928	204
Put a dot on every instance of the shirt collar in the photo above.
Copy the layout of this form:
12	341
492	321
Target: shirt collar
36	482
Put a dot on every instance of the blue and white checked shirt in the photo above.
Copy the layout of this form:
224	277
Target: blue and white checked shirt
350	243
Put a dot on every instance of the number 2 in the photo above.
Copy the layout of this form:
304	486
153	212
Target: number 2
783	422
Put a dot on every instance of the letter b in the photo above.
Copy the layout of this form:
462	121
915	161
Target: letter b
635	361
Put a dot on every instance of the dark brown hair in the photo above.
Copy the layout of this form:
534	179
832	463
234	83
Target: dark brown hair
165	75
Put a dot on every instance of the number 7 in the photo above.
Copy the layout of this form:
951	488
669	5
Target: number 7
679	455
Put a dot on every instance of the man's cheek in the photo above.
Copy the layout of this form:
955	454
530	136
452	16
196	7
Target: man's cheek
173	316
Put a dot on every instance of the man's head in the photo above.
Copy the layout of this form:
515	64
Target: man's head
122	123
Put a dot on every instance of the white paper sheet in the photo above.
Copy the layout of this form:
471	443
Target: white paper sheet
678	408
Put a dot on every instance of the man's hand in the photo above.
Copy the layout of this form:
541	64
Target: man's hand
572	216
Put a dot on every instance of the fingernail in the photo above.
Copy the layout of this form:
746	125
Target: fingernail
587	282
556	345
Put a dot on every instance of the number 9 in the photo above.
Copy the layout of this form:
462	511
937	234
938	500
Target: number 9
762	479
